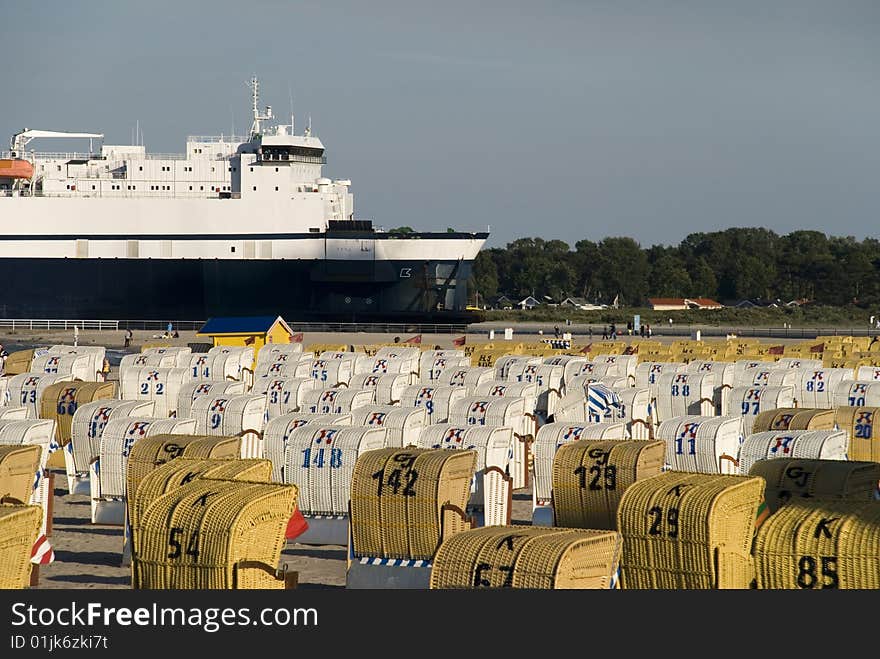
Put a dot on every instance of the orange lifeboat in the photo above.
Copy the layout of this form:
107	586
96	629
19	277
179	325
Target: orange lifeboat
16	168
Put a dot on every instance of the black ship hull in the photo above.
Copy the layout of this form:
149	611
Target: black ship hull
196	289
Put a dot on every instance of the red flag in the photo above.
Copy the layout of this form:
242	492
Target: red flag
586	349
414	339
631	350
297	338
296	525
459	341
776	350
819	347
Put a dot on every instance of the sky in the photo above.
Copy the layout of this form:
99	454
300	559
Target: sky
558	119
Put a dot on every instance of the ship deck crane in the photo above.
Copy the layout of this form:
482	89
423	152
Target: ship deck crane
20	140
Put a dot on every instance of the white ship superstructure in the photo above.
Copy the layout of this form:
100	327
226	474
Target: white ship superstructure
250	199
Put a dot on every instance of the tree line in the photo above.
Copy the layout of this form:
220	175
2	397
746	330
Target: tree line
728	266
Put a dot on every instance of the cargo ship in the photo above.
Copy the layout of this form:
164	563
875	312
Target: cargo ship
235	226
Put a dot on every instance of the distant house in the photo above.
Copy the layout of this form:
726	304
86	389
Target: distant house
502	302
682	303
529	303
580	303
745	304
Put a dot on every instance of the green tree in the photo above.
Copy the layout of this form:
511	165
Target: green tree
623	270
670	278
703	282
485	275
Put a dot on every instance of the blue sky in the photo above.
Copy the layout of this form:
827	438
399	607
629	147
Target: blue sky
568	120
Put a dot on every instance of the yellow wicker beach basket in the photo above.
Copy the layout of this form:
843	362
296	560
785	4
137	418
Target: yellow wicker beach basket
689	531
858	422
405	501
788	479
527	557
151	452
820	544
180	471
19	528
19	362
18	468
794	418
590	476
212	534
61	400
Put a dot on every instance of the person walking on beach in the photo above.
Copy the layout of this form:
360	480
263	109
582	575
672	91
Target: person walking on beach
613	334
604	332
556	331
128	335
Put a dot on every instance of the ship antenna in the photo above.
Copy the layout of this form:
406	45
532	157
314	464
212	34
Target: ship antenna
255	96
309	127
290	94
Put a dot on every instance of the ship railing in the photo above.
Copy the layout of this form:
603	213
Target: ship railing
309	160
213	139
52	155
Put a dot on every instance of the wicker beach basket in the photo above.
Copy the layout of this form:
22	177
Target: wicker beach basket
214	534
590	477
320	459
794	418
190	391
788	479
527	557
61	400
19	464
278	430
858	423
404	502
152	452
19	528
705	444
19	361
819	544
284	395
468	377
553	435
387	389
180	471
775	444
689	531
